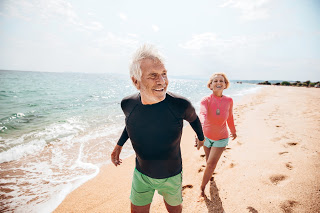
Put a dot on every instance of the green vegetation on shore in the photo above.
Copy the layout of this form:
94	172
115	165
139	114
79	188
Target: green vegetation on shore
295	83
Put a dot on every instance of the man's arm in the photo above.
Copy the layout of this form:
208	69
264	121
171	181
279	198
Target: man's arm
196	126
115	155
123	138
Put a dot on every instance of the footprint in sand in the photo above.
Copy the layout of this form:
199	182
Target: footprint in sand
286	135
251	209
276	179
227	149
202	156
289	166
292	144
282	153
6	190
288	205
201	168
189	186
231	165
275	139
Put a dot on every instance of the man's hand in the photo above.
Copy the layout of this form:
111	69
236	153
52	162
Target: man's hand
198	143
115	155
233	136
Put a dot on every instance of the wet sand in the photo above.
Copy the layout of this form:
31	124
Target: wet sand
273	165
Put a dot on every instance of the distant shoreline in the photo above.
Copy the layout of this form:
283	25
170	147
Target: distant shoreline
260	82
295	83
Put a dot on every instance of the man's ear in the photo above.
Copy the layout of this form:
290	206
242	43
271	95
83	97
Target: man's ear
135	83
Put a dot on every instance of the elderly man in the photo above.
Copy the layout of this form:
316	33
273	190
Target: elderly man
154	122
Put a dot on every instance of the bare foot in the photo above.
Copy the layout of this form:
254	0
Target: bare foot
202	195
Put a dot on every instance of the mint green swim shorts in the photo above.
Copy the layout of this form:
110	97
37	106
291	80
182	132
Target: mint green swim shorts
219	143
143	188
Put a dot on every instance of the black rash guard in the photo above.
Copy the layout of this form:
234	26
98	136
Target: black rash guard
155	133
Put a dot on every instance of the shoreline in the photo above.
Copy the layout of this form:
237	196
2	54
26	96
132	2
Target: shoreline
249	176
59	156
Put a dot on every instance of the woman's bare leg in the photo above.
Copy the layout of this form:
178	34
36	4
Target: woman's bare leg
212	160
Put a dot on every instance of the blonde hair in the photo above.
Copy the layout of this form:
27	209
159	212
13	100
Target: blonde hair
145	51
226	80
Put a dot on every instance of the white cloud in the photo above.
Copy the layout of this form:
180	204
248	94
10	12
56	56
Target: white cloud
96	26
133	35
17	9
48	10
116	45
155	28
58	9
250	9
123	16
91	14
52	53
210	43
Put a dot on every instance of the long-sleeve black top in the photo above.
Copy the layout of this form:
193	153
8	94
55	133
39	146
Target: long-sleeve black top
155	132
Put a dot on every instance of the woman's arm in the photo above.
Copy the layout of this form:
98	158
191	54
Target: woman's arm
230	121
203	110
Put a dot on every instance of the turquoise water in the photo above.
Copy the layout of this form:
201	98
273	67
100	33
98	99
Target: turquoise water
57	129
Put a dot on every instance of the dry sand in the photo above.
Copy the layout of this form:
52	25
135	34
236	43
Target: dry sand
273	165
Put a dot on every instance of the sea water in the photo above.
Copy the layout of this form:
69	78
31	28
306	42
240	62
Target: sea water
58	129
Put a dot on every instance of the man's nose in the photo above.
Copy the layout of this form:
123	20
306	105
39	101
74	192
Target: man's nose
161	79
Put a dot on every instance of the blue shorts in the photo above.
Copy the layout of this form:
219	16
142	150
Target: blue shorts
219	143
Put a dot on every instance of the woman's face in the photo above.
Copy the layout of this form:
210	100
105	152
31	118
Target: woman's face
218	83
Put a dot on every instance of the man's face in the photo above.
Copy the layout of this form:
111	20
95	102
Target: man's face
154	82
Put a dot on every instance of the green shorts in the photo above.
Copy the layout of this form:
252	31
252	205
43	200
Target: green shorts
143	188
219	143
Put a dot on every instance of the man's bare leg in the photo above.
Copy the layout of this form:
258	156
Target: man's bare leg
173	209
140	209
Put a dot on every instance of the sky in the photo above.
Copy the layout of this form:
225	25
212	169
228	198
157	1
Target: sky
246	39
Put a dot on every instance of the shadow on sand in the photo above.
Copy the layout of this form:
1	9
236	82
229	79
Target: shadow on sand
214	204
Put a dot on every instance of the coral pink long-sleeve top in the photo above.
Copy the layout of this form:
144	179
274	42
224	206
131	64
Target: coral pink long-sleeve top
215	126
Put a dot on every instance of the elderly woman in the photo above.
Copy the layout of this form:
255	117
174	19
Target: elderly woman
215	113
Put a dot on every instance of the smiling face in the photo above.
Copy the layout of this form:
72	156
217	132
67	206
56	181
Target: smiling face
154	82
218	84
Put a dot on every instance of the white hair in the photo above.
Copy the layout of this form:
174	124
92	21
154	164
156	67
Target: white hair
148	51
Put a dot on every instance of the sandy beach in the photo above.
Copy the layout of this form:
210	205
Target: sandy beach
273	165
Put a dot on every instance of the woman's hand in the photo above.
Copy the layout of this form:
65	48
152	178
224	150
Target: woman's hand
198	143
233	136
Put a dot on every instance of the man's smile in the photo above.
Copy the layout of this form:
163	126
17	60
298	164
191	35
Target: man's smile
159	90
